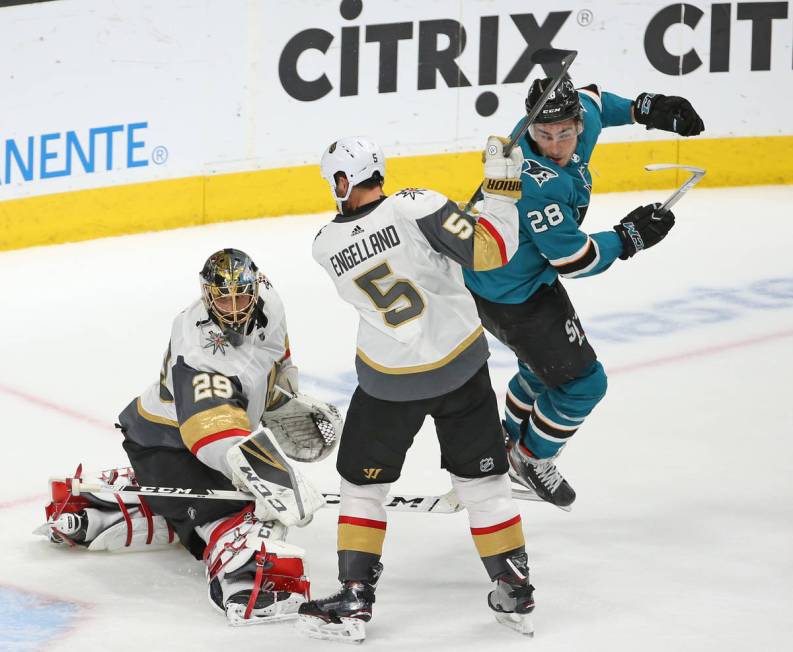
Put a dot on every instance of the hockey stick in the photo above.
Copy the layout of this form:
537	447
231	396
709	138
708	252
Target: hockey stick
445	504
676	196
543	55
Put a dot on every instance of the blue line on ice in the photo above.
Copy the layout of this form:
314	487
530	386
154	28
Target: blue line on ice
28	620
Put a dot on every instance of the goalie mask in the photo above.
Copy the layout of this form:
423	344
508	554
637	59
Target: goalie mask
230	290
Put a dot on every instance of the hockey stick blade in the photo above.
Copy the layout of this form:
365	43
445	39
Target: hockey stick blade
551	55
565	59
676	196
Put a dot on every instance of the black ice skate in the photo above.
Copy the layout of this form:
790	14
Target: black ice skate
513	597
541	476
341	616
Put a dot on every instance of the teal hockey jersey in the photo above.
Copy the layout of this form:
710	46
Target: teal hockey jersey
553	205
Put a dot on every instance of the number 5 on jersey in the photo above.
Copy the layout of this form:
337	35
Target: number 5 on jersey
384	300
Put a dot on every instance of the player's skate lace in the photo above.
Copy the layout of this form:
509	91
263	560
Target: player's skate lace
547	473
541	476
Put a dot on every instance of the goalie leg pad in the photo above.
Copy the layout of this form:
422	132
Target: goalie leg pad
110	523
254	576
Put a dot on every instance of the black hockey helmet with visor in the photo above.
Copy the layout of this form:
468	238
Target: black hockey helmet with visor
563	103
230	291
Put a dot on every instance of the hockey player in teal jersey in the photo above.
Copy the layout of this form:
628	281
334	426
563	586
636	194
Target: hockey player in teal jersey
523	303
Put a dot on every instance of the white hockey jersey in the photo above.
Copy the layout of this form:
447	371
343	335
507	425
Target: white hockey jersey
210	394
398	261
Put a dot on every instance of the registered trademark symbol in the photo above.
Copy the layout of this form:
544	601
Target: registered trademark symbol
159	155
585	17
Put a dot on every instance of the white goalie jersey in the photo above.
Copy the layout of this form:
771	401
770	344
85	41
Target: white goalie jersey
211	394
398	261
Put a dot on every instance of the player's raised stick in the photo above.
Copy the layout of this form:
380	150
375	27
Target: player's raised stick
693	180
542	56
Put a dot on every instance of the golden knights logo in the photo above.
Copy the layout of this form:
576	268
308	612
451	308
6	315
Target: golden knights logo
216	342
411	192
538	172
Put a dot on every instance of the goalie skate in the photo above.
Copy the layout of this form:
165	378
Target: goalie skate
269	607
254	577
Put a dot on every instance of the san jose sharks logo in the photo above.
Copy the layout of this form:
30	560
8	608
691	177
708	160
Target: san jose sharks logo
538	172
217	342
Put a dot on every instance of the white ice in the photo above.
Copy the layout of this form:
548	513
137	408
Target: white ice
682	534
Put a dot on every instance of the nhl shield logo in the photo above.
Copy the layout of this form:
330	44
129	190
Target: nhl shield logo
538	172
486	464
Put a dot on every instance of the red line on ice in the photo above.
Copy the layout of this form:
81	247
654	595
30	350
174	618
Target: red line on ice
699	353
54	407
24	501
646	364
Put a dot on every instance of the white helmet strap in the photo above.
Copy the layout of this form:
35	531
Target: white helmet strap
334	190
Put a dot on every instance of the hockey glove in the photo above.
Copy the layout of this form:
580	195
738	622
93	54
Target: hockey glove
643	228
502	173
305	428
282	493
668	113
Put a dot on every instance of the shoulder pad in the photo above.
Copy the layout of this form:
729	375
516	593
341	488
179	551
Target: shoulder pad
592	92
415	203
319	233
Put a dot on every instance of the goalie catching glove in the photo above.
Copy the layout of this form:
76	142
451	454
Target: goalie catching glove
281	492
305	428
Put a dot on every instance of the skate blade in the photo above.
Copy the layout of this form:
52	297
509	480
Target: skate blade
350	630
279	612
521	623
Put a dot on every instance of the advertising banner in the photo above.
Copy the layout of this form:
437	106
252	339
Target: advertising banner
128	115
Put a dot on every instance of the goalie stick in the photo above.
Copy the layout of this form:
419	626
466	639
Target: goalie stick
542	56
677	195
445	504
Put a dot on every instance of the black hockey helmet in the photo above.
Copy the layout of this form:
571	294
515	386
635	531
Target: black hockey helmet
562	104
230	291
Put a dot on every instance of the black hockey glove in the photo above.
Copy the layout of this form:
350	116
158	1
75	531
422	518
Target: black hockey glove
642	228
668	113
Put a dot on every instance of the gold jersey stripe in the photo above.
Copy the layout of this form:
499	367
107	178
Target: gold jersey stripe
415	369
487	253
212	421
262	455
154	418
361	538
502	541
272	397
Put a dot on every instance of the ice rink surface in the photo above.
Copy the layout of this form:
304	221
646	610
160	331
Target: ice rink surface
682	534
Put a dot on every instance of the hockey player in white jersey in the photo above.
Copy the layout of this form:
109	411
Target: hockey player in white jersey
200	426
421	351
